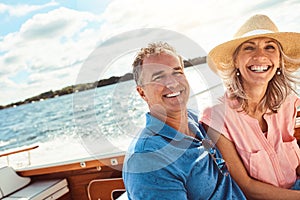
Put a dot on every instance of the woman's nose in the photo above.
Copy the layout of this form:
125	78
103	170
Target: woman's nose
259	55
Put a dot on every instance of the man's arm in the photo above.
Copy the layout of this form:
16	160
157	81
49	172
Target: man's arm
159	183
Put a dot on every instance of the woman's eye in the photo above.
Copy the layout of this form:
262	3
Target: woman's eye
247	48
270	47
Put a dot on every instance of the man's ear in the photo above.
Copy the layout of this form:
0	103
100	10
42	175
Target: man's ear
141	92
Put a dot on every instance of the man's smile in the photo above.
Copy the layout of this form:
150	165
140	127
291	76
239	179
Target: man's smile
173	94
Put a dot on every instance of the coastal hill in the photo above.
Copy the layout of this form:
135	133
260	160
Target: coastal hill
88	86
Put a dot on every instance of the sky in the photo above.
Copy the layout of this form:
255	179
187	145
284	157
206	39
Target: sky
46	44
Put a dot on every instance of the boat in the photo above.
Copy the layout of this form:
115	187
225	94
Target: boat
91	178
82	179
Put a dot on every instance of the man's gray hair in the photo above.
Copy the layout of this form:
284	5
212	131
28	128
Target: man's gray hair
152	49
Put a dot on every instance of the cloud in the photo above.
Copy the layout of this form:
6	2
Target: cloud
49	41
207	22
53	45
198	19
24	9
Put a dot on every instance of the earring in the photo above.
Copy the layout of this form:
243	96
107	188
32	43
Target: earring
237	72
278	71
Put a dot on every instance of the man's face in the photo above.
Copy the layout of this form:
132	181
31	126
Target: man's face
164	85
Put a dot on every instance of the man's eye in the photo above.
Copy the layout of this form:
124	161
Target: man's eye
178	73
157	78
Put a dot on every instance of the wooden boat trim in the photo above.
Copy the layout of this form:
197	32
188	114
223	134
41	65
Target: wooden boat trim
95	188
19	150
87	163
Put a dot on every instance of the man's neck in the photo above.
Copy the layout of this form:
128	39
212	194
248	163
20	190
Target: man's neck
177	120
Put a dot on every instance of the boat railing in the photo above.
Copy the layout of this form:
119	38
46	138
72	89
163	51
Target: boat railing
9	153
207	90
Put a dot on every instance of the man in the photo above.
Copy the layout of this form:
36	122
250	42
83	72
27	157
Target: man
168	159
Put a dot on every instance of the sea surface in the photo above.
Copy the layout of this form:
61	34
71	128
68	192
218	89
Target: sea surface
96	122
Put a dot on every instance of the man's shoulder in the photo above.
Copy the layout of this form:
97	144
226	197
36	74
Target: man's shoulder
147	141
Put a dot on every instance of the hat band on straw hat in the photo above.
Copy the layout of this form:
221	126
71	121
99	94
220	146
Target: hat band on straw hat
257	32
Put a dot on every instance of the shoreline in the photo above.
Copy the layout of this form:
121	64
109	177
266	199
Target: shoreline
87	86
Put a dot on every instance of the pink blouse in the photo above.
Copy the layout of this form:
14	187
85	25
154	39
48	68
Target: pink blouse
271	158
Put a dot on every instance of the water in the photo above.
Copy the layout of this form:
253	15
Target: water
99	121
39	121
61	126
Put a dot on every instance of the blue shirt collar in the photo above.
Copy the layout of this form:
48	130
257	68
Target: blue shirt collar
159	127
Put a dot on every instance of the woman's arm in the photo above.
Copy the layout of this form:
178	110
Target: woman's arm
252	188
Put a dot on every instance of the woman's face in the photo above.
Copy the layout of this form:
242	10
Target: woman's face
258	59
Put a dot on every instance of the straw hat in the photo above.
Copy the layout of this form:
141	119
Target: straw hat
256	26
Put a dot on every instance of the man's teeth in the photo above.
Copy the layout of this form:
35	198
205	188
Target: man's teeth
173	94
259	68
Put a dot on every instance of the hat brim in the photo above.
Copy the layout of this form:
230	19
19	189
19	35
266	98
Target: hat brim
220	57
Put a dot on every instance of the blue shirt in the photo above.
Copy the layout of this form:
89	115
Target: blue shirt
163	163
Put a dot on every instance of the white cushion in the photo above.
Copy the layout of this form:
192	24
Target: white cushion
10	181
13	186
42	189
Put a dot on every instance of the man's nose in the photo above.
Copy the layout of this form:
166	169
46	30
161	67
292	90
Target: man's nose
171	81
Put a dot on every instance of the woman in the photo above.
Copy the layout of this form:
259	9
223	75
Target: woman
256	116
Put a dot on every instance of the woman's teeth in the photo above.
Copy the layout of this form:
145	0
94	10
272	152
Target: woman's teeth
259	68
